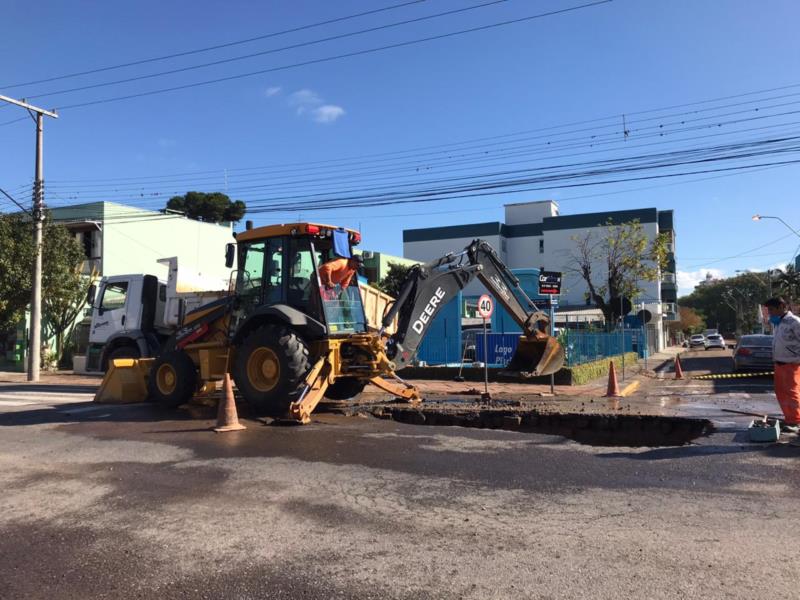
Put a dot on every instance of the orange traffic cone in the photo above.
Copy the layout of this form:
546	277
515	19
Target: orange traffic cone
678	369
227	419
613	386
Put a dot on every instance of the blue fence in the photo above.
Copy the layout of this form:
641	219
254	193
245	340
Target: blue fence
579	346
501	348
582	347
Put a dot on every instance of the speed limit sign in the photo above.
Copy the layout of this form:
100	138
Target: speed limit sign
485	306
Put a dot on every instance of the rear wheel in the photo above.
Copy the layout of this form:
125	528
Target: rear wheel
270	365
173	379
345	388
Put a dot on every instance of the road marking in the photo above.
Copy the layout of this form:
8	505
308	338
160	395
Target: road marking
630	388
15	402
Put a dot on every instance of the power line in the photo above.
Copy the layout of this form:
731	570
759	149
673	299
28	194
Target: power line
360	174
361	159
218	46
240	192
10	197
270	51
336	57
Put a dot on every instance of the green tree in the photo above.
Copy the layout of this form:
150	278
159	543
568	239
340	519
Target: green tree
615	261
16	267
394	278
63	288
730	304
214	207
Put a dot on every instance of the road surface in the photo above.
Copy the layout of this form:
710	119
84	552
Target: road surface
127	501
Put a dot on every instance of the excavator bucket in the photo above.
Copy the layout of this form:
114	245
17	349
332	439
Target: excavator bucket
125	381
535	357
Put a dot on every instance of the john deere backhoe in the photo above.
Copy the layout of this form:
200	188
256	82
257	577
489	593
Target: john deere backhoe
288	341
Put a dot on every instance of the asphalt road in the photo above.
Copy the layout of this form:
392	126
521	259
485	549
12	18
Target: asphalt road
130	502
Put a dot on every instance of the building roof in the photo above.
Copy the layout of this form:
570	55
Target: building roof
561	222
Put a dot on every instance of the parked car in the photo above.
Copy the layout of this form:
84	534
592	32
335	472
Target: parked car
753	352
715	340
697	340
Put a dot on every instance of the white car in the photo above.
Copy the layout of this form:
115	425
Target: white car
715	340
697	340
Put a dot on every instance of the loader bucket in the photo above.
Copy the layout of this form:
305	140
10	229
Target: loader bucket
535	357
125	381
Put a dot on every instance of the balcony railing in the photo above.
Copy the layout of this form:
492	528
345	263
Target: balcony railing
668	278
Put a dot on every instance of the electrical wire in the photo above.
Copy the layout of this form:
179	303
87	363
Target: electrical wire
335	57
217	46
267	52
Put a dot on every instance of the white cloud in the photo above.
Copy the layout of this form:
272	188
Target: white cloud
306	102
327	113
688	280
273	91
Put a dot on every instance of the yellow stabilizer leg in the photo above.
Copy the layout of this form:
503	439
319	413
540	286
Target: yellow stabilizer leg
402	390
317	381
125	381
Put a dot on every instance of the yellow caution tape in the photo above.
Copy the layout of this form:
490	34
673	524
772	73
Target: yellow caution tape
732	375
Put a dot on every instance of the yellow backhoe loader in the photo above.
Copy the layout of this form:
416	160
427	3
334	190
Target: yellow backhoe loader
288	340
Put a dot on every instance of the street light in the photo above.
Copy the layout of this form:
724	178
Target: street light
789	227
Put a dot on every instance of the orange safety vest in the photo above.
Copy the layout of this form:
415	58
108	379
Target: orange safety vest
336	271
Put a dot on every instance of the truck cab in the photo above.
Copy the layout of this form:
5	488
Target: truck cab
127	311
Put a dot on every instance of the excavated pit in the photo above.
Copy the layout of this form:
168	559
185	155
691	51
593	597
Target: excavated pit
592	429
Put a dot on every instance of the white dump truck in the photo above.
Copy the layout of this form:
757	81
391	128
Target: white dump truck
133	314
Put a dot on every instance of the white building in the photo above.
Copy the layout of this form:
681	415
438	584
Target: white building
535	235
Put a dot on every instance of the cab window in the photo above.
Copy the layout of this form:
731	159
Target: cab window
114	295
251	273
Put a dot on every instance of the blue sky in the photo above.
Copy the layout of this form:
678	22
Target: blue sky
621	57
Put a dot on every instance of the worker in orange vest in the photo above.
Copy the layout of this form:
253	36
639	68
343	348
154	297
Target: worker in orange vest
339	271
786	355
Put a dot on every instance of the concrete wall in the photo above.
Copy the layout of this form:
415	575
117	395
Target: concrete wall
131	240
133	243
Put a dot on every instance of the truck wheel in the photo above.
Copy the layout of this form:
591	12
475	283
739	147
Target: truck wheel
173	379
270	365
126	351
345	388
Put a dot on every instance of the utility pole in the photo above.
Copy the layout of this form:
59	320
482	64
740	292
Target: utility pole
35	338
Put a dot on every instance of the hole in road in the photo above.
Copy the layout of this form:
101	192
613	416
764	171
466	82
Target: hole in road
596	430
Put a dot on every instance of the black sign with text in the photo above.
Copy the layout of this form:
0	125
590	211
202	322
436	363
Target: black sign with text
549	283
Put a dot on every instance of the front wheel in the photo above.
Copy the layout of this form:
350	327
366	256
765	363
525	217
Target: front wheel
173	379
270	365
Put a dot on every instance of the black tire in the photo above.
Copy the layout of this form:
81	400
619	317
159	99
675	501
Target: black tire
126	351
345	388
173	379
270	365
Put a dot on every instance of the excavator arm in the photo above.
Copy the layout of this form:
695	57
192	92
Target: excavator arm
428	287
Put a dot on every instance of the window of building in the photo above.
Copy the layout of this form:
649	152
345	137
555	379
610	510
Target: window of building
86	240
114	295
541	246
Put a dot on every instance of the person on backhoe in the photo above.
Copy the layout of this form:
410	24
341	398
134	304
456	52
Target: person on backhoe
339	271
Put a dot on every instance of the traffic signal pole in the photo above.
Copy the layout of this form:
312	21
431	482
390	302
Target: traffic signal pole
35	338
